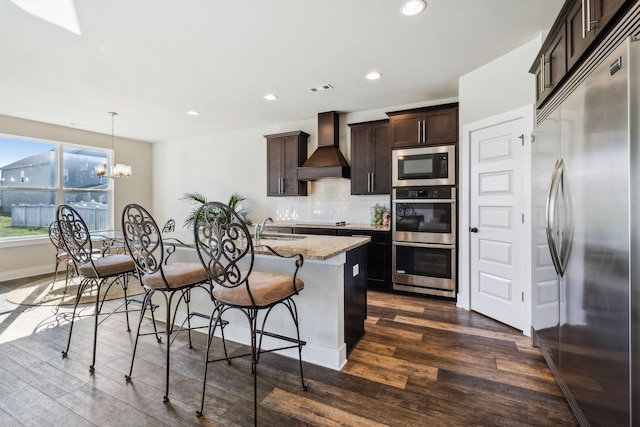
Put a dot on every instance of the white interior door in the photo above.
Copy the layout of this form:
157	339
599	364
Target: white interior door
498	193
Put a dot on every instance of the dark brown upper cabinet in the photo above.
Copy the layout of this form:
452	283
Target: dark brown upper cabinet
552	66
579	27
371	157
285	153
586	20
424	126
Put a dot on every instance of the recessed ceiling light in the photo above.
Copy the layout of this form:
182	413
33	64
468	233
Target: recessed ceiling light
374	75
413	7
270	97
193	113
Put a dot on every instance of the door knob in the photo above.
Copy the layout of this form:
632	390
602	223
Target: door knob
473	229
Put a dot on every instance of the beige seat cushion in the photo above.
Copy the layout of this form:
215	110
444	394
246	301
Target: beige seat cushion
266	288
177	275
108	266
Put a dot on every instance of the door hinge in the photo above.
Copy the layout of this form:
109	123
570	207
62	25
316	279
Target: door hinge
522	139
523	297
523	218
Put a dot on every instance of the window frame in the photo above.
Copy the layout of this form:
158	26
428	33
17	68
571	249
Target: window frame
58	188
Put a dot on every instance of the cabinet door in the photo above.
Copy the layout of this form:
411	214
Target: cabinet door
379	258
440	126
578	38
404	129
316	231
557	60
275	166
603	11
553	67
360	157
380	159
276	229
285	152
290	163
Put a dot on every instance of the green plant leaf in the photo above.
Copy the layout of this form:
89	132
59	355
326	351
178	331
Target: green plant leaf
198	199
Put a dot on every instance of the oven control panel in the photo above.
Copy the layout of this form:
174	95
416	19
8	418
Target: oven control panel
423	193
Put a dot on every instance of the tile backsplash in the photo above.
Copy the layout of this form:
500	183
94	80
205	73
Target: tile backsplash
329	200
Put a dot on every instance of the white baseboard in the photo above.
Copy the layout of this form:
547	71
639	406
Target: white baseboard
25	272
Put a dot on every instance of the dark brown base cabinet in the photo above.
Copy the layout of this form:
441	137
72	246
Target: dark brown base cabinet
378	253
285	153
378	256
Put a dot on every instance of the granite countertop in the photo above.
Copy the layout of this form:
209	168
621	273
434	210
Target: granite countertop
310	246
348	226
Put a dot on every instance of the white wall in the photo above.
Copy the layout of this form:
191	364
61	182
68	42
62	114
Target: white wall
37	257
502	85
221	164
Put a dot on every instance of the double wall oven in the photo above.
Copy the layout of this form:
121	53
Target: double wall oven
424	220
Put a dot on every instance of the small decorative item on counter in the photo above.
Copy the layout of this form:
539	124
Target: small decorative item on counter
375	214
386	218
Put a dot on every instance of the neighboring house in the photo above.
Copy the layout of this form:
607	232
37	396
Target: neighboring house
37	175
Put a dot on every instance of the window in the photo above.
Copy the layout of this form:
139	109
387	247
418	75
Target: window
37	176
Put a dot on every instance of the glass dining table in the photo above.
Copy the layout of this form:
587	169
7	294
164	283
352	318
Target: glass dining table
111	241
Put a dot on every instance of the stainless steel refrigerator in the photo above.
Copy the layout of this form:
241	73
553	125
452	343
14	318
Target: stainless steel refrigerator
586	255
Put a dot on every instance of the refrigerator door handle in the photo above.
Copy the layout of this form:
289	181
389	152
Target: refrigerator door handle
550	217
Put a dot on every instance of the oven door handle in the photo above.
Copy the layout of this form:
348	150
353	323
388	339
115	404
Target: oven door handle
424	245
407	201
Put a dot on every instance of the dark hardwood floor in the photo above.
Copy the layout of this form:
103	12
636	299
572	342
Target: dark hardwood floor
422	362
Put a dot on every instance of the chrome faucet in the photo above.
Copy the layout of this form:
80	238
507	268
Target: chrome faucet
260	228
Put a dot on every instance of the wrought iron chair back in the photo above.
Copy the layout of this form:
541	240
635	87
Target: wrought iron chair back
54	236
169	226
74	234
143	239
61	255
223	241
104	271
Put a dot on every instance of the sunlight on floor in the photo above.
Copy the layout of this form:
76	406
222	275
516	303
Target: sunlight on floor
24	321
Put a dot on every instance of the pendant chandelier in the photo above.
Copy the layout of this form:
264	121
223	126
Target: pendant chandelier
118	170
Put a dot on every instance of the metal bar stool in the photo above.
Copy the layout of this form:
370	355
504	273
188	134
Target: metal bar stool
95	271
144	242
226	250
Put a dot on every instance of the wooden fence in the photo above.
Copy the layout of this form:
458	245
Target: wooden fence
95	215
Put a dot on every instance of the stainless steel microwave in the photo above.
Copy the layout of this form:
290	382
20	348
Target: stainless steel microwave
424	166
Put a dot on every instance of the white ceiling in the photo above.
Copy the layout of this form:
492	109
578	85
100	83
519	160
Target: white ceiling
153	60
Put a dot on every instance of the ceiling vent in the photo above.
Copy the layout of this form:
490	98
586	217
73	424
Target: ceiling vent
322	87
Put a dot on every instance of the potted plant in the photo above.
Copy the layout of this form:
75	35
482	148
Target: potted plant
199	199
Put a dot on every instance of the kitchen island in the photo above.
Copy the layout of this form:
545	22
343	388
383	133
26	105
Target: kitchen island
331	307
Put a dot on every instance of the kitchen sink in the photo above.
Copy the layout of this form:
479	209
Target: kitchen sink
279	236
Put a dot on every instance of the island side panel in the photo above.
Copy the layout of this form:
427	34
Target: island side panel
355	296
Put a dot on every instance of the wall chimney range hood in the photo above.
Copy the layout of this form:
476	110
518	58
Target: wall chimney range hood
327	161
